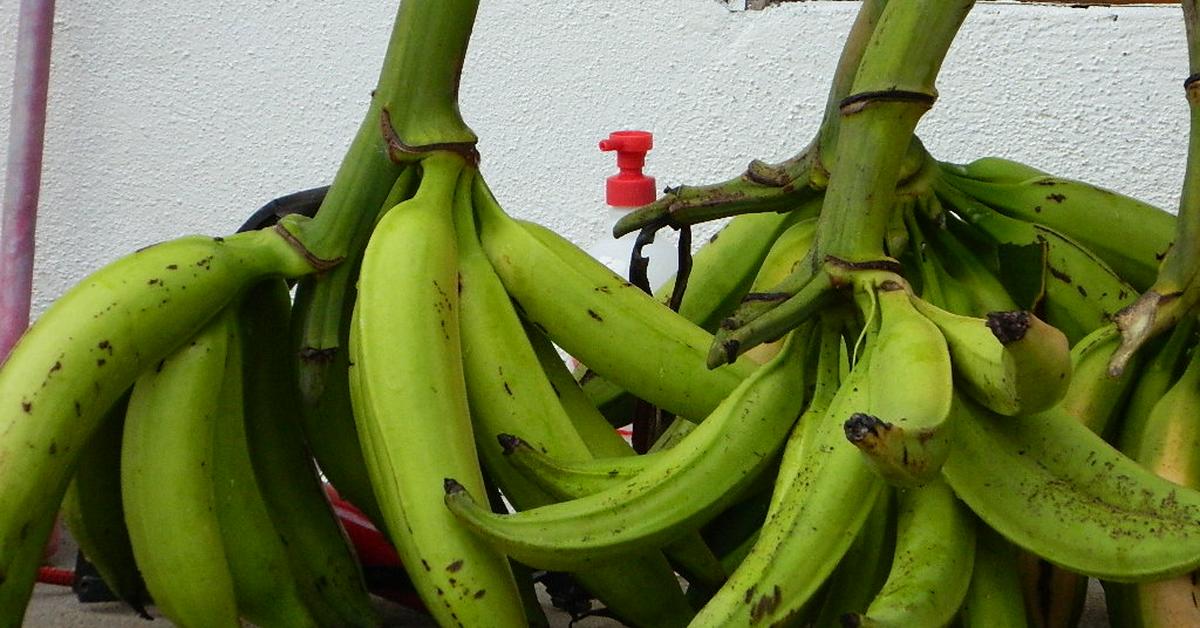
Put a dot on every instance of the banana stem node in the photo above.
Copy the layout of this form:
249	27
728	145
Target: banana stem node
401	152
857	102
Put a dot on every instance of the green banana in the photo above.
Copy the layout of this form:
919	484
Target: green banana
318	552
931	570
407	388
1129	235
263	584
1166	441
1025	475
698	477
714	265
903	428
1160	374
981	287
931	279
506	391
566	481
1010	362
994	598
1094	396
167	482
827	493
1069	286
86	350
592	314
864	569
321	334
789	249
601	439
829	372
92	510
1054	597
571	479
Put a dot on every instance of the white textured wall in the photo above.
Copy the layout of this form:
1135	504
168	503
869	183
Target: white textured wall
169	118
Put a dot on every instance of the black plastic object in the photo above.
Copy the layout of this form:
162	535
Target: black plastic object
89	587
305	203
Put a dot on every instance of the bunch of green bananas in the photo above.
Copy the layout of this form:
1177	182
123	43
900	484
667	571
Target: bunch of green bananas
874	441
890	378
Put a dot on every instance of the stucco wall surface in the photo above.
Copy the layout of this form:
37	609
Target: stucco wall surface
169	118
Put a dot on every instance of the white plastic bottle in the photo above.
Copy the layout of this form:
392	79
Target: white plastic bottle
624	192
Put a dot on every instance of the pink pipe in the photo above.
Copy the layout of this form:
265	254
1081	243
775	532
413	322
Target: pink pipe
24	173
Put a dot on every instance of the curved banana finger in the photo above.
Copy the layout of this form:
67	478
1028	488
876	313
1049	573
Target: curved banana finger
410	404
173	525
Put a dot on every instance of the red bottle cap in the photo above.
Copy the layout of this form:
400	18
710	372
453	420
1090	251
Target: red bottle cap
629	188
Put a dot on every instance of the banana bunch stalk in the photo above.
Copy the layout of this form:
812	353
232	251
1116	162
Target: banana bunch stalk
890	376
168	374
982	276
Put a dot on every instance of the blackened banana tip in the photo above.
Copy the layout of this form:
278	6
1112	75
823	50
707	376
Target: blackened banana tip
1008	326
861	425
452	487
508	442
851	620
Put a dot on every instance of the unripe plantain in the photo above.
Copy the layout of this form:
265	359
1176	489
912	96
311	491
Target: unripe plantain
94	513
902	430
823	497
594	315
935	551
697	478
410	404
87	349
1166	441
1025	475
167	482
504	363
1129	235
1011	362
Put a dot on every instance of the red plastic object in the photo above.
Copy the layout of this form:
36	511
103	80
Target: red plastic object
56	576
629	188
372	547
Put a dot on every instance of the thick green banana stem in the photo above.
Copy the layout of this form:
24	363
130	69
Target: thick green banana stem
414	110
1175	291
892	90
894	87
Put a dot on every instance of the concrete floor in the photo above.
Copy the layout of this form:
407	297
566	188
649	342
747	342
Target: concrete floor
57	607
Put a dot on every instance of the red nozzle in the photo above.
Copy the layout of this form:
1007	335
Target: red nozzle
629	188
